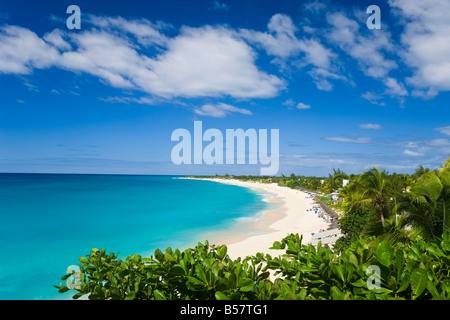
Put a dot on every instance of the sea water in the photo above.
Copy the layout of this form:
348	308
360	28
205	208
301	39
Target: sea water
48	221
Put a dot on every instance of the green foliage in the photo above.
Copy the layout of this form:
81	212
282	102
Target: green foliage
395	224
205	272
351	225
420	270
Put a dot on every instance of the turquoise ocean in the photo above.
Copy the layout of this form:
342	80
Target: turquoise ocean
48	221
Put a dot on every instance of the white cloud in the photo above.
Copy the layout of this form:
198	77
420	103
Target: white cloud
21	51
303	106
211	62
320	77
282	42
373	98
358	140
289	103
105	55
439	142
369	50
208	61
426	43
413	153
412	144
370	126
440	146
444	130
127	100
220	110
394	88
143	30
56	38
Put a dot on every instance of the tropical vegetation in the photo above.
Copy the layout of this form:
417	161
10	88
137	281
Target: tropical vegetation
396	245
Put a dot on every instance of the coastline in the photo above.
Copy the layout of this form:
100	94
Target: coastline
288	215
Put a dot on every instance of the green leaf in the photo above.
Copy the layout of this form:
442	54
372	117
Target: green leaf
176	270
222	251
221	296
360	283
340	272
195	281
400	260
159	295
336	294
159	255
446	245
286	291
83	260
263	275
419	281
301	295
276	246
381	290
201	274
130	295
404	284
353	260
78	295
65	277
384	253
247	285
432	289
63	289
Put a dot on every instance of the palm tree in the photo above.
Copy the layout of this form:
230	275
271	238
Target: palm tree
427	206
393	231
371	185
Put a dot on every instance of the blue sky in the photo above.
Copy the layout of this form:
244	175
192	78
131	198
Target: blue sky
107	97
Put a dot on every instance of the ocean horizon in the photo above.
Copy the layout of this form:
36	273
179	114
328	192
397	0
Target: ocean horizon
49	220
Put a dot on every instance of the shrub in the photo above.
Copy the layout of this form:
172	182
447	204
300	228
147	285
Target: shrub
420	270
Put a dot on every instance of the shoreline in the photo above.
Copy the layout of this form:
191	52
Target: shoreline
289	214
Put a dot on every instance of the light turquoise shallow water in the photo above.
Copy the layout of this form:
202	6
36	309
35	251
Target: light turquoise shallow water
47	221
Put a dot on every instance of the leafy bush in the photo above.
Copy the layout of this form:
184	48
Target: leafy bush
420	270
352	225
205	272
417	271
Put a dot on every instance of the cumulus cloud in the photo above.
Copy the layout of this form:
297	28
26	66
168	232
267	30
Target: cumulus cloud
219	110
303	106
369	50
282	42
426	48
145	32
394	87
199	62
212	61
21	51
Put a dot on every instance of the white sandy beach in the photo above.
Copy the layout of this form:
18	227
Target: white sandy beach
290	215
